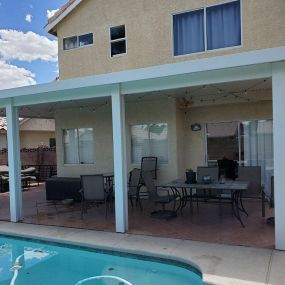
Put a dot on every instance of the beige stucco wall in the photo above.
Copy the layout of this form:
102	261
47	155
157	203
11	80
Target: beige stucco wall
37	125
186	149
33	139
149	37
194	142
30	139
137	112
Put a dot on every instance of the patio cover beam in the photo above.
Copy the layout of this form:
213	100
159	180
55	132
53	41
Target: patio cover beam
120	160
278	97
14	162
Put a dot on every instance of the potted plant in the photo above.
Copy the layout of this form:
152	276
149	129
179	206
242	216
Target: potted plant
190	176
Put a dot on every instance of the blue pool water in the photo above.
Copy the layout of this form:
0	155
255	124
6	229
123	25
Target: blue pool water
26	262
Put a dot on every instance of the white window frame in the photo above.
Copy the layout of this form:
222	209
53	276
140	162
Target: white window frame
118	40
77	42
148	124
205	51
78	152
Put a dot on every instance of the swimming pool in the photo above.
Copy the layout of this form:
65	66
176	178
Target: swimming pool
31	262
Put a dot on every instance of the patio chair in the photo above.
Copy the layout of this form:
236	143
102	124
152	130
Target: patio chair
204	171
149	163
134	186
162	196
252	175
92	192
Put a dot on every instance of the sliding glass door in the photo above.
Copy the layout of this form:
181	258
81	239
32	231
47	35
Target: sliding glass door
248	143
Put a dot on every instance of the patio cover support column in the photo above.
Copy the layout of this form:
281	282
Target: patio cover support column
120	160
278	97
14	162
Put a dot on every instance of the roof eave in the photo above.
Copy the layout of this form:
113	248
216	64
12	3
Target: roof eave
51	27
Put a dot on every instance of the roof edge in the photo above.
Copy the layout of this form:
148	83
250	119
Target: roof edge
60	15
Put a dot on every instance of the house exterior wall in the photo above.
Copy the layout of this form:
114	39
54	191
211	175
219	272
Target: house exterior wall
195	142
33	139
186	149
30	139
137	112
37	125
149	33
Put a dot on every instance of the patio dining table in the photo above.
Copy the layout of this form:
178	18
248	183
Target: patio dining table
234	188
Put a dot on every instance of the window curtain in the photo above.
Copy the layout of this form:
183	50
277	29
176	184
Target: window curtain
158	135
188	32
71	155
140	142
223	25
86	145
257	139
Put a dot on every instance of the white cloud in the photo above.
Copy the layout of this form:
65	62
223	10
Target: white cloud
17	45
51	13
28	18
13	76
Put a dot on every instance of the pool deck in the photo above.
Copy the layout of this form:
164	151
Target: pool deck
220	264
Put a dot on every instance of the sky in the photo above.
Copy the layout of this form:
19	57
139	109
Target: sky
28	55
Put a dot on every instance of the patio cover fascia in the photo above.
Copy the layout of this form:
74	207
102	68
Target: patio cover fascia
228	68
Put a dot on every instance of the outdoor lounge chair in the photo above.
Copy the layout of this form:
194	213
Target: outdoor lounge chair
149	163
134	186
162	196
92	192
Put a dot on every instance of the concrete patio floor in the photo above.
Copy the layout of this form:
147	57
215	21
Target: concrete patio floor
203	224
220	264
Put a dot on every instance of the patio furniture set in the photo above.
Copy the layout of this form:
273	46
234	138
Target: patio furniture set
211	184
28	175
208	186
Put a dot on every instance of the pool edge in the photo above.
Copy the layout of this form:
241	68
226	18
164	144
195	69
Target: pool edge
111	249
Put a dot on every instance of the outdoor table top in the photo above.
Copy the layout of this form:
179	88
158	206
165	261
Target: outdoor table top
227	185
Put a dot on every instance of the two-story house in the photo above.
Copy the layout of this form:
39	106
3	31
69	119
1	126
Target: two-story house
191	82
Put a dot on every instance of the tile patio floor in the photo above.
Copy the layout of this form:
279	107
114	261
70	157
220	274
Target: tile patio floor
204	224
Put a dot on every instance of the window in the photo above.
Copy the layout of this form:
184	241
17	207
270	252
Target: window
149	140
77	41
188	31
78	146
222	29
118	40
250	143
70	43
85	40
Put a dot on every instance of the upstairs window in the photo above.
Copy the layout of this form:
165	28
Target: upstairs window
85	40
188	31
209	28
223	26
77	41
118	40
70	43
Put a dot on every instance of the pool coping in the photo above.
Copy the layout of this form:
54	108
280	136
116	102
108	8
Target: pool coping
191	253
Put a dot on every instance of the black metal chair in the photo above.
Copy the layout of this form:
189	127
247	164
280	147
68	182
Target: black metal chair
162	196
252	175
93	192
134	186
213	174
149	163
